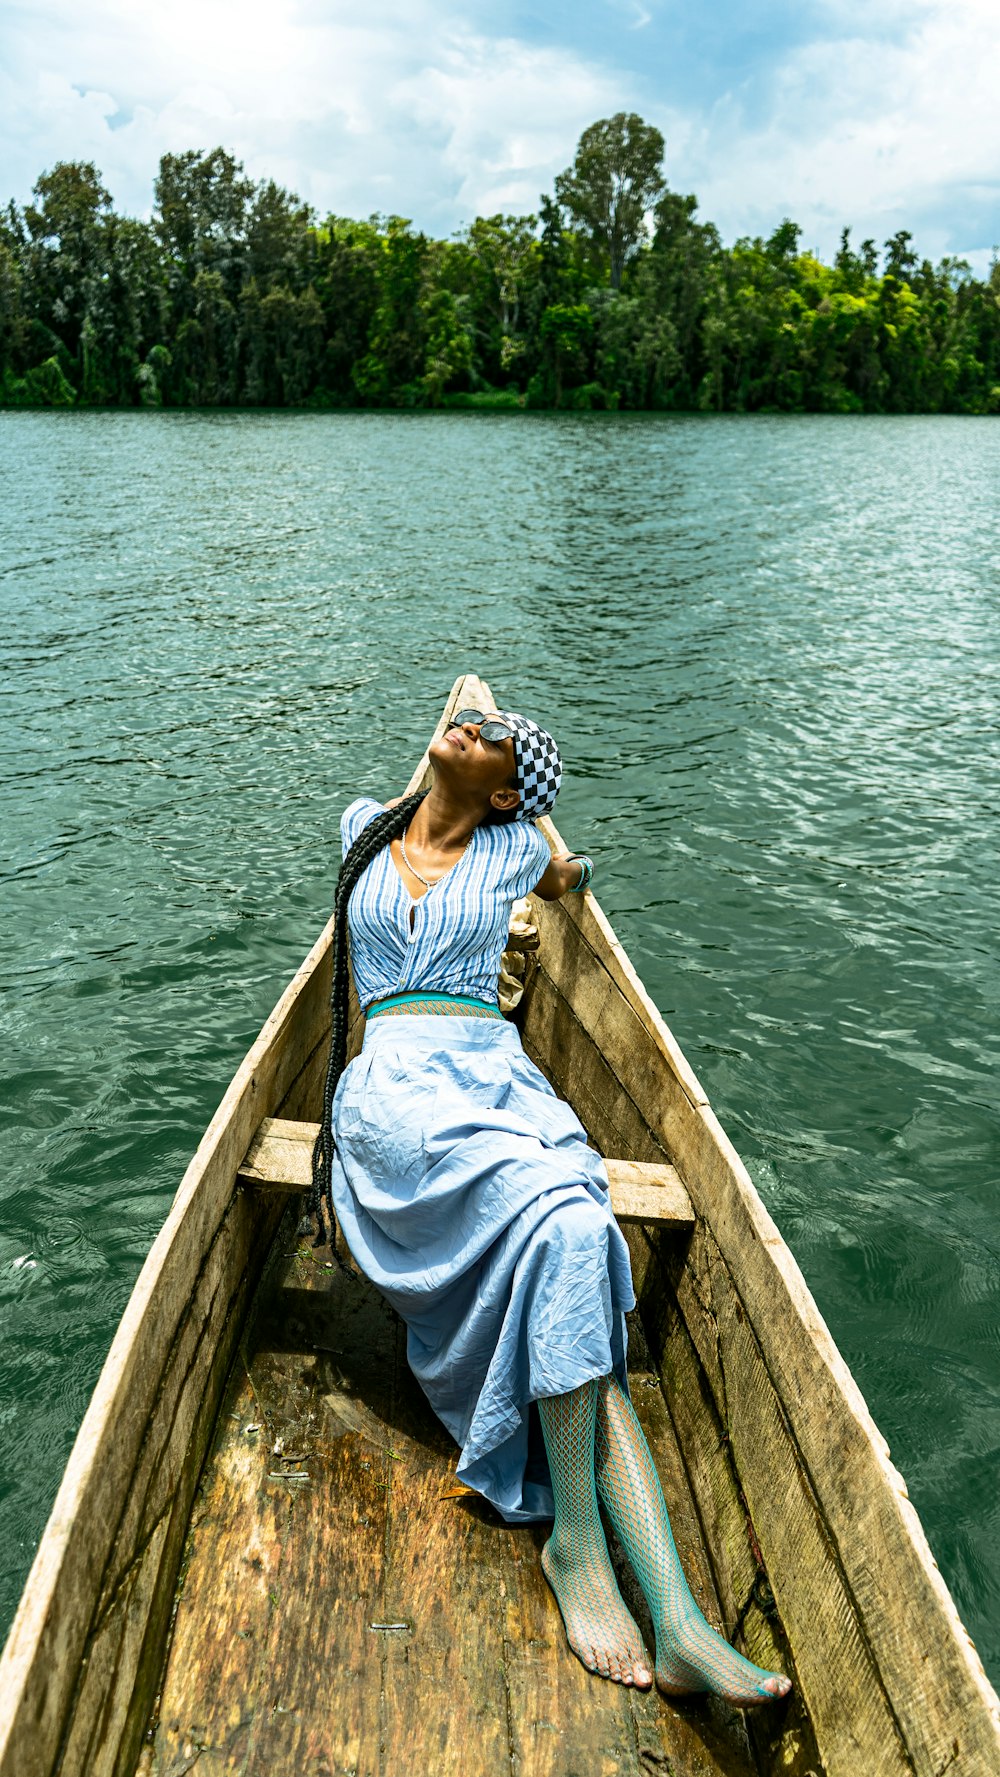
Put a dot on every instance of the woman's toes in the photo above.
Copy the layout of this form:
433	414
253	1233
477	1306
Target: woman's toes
629	1668
779	1685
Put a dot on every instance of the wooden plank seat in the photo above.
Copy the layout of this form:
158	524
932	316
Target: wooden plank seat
279	1159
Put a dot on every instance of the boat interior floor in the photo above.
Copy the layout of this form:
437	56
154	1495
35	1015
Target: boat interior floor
345	1607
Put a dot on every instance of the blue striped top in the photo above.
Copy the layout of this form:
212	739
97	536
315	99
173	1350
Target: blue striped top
460	925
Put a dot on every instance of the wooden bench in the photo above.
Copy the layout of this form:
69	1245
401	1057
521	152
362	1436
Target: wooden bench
280	1159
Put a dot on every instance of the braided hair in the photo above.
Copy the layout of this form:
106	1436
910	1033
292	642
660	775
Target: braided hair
375	837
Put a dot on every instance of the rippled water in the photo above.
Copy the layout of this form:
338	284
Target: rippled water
770	649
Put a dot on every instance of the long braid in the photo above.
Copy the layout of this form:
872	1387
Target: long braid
376	836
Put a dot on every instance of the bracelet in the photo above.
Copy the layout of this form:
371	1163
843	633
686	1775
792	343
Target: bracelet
586	871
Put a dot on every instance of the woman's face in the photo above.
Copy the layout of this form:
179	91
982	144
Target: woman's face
484	770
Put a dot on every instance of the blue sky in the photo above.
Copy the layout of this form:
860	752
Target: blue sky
882	115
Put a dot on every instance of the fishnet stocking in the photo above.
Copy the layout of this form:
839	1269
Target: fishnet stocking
575	1559
690	1654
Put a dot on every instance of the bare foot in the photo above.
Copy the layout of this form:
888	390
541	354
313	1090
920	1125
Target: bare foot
599	1629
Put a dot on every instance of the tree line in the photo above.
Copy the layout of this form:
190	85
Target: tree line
614	295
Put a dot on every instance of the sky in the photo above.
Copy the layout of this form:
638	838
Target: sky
878	114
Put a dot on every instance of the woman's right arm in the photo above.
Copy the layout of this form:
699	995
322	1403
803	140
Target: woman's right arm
564	875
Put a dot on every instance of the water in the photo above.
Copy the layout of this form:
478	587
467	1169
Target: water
770	649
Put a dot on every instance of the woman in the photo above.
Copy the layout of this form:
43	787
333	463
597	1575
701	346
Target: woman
466	1191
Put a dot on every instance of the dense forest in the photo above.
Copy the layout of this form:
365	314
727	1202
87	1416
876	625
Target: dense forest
615	295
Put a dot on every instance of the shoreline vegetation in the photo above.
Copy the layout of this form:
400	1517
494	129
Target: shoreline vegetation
614	296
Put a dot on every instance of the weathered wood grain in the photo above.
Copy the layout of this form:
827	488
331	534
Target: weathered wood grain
770	1423
49	1645
951	1718
321	1372
274	1666
49	1639
562	1720
125	1641
224	1612
860	1496
693	1733
307	1523
784	1737
444	1688
835	1669
279	1159
649	1191
565	1050
585	914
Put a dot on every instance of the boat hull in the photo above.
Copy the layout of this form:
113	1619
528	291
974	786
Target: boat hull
814	1557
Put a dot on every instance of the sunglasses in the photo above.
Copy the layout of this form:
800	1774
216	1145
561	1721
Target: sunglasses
489	727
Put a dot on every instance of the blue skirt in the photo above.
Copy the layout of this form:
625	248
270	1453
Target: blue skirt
466	1191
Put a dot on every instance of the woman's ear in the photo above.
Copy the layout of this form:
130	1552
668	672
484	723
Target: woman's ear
503	800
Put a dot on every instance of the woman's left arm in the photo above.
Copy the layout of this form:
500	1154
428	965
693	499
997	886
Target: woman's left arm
568	873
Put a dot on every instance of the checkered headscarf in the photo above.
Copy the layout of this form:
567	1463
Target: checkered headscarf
539	767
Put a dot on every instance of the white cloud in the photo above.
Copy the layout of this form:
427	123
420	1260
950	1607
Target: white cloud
637	16
878	130
505	118
885	118
410	109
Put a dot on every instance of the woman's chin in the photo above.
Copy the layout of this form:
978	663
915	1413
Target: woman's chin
446	758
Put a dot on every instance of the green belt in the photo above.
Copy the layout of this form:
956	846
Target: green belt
451	1005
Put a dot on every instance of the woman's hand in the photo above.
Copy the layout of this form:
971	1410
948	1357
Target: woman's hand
568	871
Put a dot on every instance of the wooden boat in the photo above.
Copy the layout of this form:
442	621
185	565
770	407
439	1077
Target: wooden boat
259	1562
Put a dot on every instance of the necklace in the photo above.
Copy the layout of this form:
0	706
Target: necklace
416	873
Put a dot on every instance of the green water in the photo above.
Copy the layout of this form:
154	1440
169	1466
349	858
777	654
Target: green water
770	648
